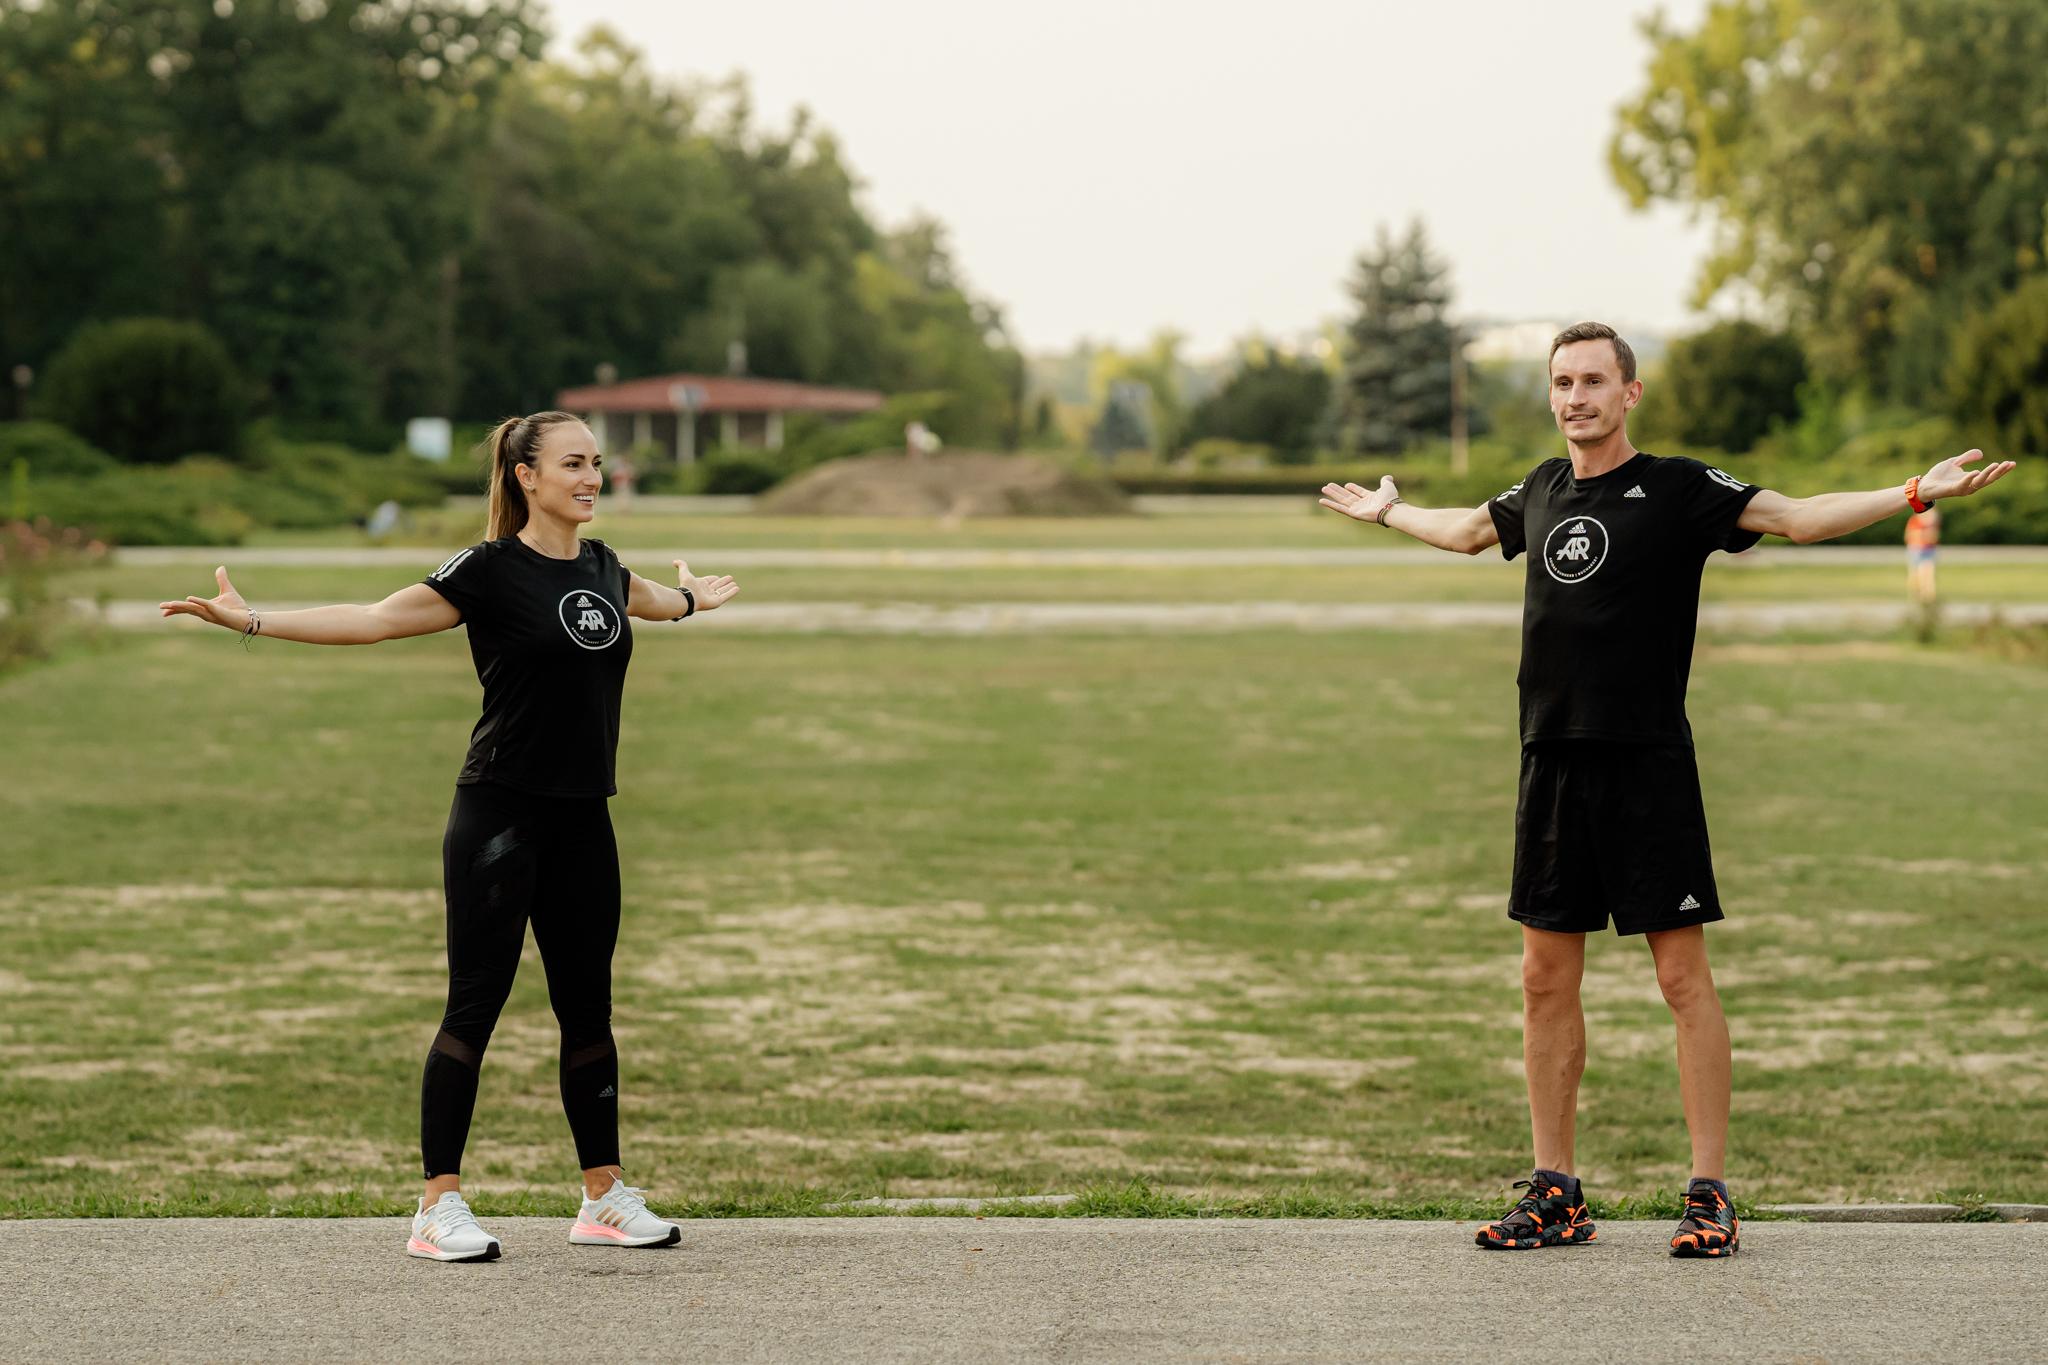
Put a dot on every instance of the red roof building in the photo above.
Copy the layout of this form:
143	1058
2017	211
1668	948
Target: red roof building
681	414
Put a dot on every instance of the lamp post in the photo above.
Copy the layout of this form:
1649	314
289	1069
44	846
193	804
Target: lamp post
1461	451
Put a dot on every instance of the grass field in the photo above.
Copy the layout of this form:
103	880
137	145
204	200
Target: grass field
1219	915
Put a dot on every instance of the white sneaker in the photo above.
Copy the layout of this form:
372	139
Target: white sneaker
621	1219
448	1232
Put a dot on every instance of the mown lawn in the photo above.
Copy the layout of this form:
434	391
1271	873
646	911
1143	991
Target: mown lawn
1223	915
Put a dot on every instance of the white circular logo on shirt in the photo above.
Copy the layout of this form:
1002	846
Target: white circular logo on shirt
1575	549
589	619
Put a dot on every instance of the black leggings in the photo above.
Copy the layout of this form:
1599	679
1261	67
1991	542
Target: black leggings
509	857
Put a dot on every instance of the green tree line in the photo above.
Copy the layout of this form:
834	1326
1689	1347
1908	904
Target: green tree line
386	208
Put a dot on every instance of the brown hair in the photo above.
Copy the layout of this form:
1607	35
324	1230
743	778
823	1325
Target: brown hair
514	441
1599	331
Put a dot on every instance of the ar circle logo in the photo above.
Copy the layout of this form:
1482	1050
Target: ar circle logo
590	620
1575	549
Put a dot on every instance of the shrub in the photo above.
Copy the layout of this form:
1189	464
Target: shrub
29	553
175	505
1216	453
738	471
1725	387
811	440
51	451
146	390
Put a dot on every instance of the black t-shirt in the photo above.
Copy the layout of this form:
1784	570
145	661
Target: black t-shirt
551	644
1613	591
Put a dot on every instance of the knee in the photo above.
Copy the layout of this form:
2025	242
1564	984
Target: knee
1687	986
1549	983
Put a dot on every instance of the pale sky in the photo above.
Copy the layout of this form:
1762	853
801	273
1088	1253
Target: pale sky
1110	167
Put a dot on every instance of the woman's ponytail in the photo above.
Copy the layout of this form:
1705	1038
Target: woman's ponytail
513	442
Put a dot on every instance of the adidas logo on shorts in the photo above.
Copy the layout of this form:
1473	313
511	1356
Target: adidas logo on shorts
1636	492
1689	904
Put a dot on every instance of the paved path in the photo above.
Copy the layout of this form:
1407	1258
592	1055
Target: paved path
946	1289
1201	618
1237	557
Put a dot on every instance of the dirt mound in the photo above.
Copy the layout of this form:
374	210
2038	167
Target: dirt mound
966	484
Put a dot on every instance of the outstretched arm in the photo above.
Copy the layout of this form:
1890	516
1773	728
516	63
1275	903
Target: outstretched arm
414	610
650	601
1827	515
1468	530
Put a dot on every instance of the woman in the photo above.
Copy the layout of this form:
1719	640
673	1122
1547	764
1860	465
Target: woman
530	835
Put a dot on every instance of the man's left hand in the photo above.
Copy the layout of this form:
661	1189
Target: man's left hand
1950	480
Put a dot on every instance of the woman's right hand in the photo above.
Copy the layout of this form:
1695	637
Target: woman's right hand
227	610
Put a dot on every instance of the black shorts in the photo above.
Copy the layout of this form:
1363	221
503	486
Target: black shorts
1611	829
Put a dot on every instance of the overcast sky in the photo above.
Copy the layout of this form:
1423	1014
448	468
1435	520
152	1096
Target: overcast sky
1111	167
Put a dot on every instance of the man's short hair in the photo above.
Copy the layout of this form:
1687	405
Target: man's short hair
1599	331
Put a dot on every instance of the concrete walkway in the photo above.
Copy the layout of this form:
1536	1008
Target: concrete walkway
1200	618
946	1289
1232	557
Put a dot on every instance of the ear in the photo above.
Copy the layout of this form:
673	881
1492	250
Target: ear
1632	395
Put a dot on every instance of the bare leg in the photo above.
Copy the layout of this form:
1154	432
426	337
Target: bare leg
1553	1041
598	1179
440	1185
1703	1061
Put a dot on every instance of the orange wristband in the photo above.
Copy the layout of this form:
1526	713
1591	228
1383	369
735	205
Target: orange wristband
1913	495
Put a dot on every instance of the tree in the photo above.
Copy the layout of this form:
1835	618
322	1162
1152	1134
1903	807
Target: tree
1122	425
390	207
1396	386
80	130
1726	386
147	390
1873	166
2000	375
1158	372
1272	399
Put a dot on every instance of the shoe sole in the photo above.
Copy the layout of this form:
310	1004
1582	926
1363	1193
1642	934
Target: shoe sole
578	1237
1695	1252
1538	1242
428	1252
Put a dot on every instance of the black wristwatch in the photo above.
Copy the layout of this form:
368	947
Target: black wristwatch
689	605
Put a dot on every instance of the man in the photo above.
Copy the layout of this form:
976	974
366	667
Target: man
1609	819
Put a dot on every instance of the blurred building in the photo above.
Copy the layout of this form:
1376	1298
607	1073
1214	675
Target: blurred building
684	414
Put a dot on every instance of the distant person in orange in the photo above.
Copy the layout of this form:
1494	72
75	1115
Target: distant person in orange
1923	534
1609	821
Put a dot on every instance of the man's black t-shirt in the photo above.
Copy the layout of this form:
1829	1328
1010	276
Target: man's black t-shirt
1613	593
551	644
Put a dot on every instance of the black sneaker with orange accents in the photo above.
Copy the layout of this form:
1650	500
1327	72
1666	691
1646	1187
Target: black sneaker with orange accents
1552	1213
1710	1227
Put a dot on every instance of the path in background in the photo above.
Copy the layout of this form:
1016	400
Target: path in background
1208	618
1237	557
942	1289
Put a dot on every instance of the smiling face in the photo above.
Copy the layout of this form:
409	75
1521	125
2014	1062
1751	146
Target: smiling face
565	476
1588	397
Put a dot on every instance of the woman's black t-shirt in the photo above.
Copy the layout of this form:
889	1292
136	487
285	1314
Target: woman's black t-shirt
551	643
1613	596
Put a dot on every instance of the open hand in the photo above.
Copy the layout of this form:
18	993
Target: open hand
228	609
1358	503
711	593
1950	480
